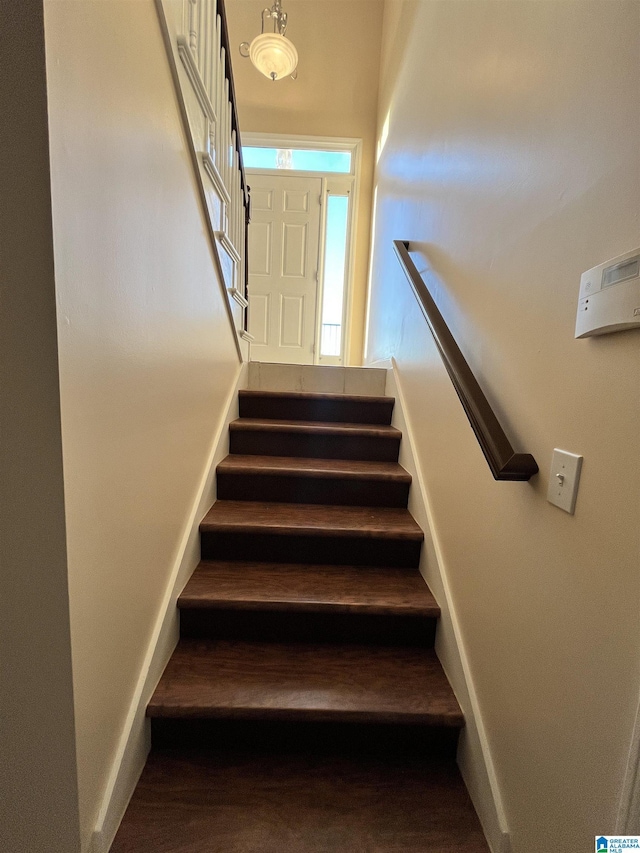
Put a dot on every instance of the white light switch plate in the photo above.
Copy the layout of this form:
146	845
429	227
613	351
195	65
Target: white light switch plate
564	479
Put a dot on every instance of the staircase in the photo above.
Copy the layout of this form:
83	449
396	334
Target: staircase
304	708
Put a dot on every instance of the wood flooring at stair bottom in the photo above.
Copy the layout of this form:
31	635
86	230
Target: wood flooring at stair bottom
199	802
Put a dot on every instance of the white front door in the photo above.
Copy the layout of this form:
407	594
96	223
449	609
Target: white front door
283	267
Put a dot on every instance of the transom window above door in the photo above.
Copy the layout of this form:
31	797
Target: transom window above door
297	159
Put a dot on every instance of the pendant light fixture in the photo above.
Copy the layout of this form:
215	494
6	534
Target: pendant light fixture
271	52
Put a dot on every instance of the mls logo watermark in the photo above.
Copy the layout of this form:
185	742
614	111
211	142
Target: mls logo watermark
617	843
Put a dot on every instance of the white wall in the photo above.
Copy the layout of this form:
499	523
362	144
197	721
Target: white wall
509	152
336	94
147	355
38	791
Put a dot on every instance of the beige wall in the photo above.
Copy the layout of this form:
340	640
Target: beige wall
38	791
336	93
511	156
147	356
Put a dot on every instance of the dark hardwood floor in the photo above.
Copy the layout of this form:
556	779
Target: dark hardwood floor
194	801
304	708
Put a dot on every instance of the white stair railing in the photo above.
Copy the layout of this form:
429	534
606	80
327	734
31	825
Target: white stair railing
196	33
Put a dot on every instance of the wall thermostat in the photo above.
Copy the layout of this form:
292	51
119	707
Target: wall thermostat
609	299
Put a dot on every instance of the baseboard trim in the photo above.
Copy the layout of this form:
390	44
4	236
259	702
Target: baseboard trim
382	363
628	817
474	755
135	739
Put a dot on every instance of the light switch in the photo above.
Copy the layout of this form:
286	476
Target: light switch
564	479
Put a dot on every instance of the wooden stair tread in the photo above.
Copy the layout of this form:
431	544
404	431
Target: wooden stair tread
311	519
309	406
305	681
313	395
348	469
283	434
315	427
304	588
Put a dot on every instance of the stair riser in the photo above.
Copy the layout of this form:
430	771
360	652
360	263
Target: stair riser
289	626
311	490
329	550
257	443
301	409
315	738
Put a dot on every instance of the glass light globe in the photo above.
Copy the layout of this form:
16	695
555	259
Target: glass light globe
273	55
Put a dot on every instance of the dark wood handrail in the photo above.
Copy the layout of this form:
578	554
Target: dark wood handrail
504	462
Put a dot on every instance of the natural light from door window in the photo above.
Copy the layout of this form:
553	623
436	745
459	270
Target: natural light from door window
297	159
335	257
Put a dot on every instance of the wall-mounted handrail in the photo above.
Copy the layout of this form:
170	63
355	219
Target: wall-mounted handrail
504	462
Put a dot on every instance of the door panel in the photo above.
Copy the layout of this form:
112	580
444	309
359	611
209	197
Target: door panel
283	261
294	250
291	321
296	202
261	199
260	254
260	319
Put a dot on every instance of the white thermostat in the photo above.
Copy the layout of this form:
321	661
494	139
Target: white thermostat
609	298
